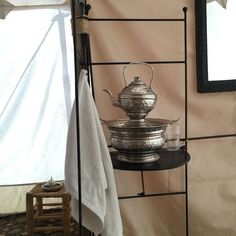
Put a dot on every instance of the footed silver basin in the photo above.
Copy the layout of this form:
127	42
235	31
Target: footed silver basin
137	144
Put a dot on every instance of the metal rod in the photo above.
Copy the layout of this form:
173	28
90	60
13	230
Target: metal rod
133	19
212	137
90	67
73	12
186	117
128	62
186	77
151	195
142	180
86	58
186	198
209	137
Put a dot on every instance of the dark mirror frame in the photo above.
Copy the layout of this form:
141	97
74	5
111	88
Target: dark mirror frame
203	85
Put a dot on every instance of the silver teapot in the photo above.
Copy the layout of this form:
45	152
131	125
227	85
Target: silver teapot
136	99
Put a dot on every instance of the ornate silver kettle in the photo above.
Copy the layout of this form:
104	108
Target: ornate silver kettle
136	99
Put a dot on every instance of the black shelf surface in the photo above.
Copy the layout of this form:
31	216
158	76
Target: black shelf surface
168	160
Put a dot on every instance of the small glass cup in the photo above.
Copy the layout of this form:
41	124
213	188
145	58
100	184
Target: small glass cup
172	136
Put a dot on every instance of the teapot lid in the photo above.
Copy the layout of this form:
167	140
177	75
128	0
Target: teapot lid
137	88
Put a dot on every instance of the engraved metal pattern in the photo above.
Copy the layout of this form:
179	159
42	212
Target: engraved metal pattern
137	138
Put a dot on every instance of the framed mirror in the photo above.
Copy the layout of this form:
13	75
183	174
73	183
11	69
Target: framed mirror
215	45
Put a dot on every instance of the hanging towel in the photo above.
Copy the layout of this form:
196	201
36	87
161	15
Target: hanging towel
100	207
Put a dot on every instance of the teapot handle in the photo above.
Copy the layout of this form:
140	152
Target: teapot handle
135	63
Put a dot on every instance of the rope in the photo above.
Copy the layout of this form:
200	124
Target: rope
82	26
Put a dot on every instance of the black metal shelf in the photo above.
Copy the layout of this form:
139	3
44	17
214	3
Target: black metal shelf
168	160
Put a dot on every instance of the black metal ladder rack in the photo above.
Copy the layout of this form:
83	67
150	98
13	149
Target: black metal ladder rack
179	158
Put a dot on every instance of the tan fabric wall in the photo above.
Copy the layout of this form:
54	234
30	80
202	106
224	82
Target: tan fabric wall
212	189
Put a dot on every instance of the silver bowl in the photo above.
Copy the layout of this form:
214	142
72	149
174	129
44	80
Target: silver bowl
137	144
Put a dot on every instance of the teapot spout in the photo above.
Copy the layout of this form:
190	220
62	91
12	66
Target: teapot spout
114	102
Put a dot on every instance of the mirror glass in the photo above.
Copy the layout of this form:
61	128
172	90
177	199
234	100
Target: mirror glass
215	45
221	40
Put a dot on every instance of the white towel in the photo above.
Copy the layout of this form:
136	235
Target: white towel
100	207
